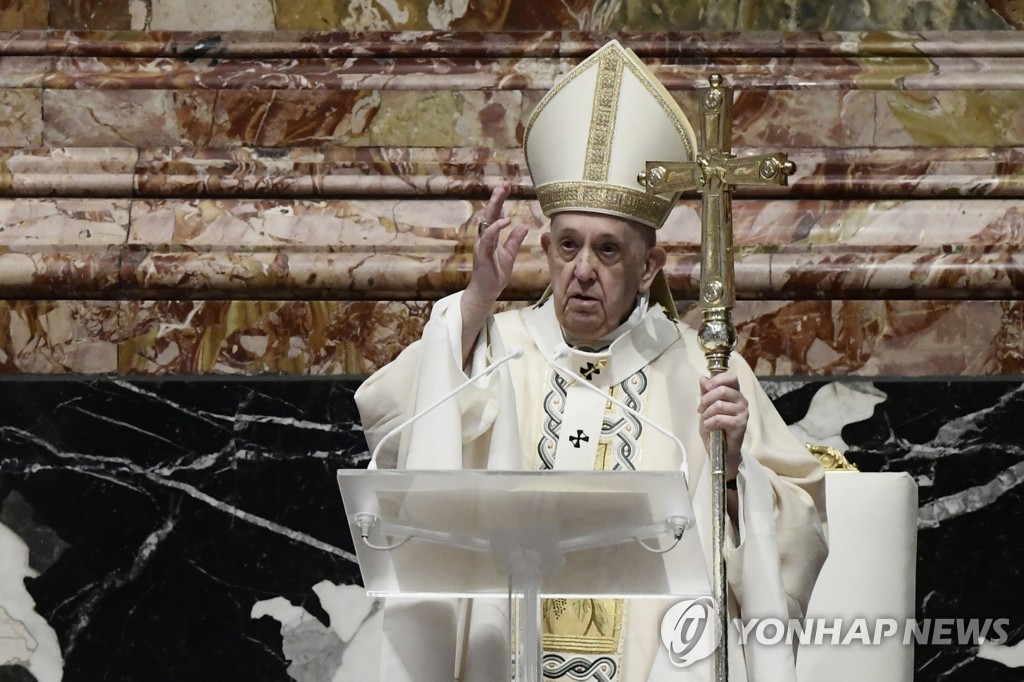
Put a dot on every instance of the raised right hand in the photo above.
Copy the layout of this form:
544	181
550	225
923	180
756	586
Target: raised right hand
492	269
492	259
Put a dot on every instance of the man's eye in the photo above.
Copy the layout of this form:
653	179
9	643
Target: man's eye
609	249
567	245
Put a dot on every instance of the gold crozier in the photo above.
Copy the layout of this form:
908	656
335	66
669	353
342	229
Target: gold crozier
714	174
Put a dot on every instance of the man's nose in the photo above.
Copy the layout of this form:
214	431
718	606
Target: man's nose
584	266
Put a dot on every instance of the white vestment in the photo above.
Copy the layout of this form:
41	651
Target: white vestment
521	417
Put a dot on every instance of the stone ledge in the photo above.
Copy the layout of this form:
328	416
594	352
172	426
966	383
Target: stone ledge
469	172
421	249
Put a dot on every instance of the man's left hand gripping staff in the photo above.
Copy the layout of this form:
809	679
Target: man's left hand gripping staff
722	406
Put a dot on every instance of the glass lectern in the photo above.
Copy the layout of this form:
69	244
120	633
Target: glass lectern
525	534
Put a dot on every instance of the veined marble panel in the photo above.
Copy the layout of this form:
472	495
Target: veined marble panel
22	112
886	338
126	505
200	506
258	337
353	338
932	119
60	337
281	118
494	119
129	118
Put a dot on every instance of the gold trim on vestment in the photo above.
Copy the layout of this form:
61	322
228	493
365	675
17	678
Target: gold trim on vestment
562	621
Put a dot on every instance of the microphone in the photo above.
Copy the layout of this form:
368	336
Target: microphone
563	350
515	354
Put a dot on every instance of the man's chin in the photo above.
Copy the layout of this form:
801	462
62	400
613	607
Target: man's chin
583	327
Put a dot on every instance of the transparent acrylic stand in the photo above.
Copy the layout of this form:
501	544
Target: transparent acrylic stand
527	535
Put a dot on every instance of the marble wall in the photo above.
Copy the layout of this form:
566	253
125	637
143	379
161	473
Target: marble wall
216	218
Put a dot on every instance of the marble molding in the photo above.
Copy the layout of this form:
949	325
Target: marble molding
882	90
808	41
770	73
194	526
332	171
354	338
77	172
405	249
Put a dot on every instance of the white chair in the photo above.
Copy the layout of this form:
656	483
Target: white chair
870	574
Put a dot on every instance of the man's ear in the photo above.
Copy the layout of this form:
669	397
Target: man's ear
655	261
545	241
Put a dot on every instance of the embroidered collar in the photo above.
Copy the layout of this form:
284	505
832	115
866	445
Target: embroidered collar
637	345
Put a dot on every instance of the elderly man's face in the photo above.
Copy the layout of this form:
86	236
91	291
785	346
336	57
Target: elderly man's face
598	265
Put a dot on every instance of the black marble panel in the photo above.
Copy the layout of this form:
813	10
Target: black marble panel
158	512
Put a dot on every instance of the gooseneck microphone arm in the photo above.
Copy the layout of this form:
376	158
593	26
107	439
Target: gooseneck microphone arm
516	353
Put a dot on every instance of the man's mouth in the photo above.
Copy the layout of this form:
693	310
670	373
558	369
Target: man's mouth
583	299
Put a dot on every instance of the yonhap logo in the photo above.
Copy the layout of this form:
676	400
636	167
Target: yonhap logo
688	631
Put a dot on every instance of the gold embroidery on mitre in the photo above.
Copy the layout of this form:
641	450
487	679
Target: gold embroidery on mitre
558	196
573	74
670	106
602	118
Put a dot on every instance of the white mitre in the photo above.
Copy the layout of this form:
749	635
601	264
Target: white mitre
594	132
